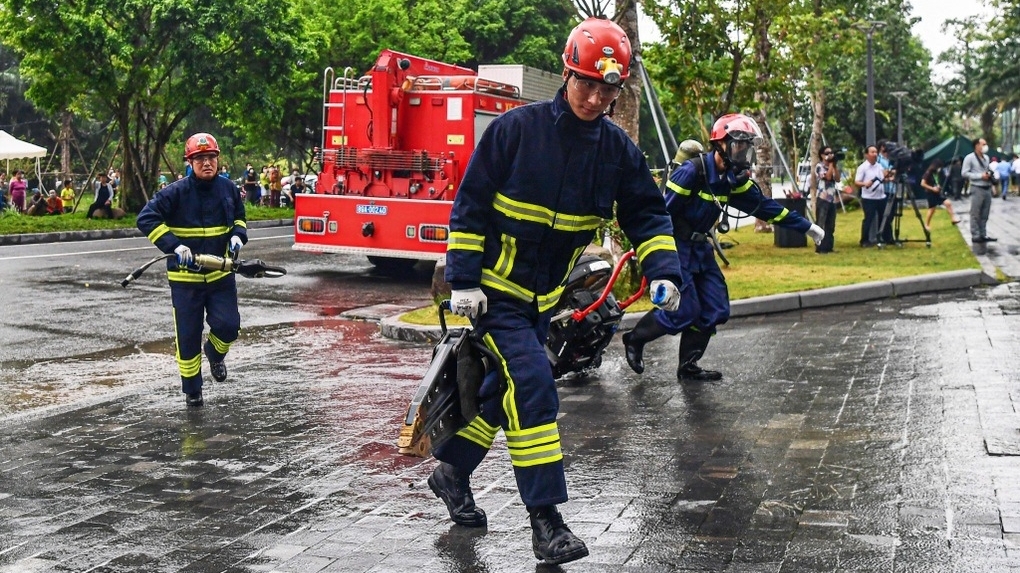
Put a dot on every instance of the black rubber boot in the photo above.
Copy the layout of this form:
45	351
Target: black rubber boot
551	538
692	347
455	491
218	369
194	400
646	330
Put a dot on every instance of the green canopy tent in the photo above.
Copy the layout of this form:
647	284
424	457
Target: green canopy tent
956	146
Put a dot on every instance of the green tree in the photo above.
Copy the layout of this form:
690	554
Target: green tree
151	65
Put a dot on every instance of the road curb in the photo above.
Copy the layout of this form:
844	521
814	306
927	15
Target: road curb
98	234
393	327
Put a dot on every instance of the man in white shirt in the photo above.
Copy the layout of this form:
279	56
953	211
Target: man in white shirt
977	170
869	178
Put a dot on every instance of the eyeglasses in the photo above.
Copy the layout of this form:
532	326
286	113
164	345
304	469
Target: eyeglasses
205	158
588	87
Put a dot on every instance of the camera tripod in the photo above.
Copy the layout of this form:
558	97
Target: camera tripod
894	208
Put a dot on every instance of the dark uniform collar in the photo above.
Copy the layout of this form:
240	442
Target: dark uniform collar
565	118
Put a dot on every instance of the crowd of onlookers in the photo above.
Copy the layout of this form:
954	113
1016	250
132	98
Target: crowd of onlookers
268	187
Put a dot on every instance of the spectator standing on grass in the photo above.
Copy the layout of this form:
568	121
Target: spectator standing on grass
67	196
956	180
18	189
275	186
976	171
869	179
827	175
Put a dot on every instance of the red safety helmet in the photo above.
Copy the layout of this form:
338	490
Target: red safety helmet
736	126
598	48
200	143
743	136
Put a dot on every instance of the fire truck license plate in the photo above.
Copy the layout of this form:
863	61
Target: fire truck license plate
370	209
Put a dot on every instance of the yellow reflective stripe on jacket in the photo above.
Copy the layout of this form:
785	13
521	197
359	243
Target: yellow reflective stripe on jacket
534	446
676	188
782	215
507	255
501	283
158	232
466	241
513	420
240	223
190	277
479	432
192	232
522	211
742	188
656	243
702	194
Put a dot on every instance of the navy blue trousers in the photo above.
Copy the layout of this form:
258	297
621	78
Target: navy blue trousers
704	298
214	303
525	408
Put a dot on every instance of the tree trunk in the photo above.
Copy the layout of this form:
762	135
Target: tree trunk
628	106
818	119
762	54
66	135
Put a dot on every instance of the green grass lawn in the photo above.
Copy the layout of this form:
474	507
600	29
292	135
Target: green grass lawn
12	223
758	268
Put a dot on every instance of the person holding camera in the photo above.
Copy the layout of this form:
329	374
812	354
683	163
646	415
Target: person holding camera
827	176
933	183
975	169
869	179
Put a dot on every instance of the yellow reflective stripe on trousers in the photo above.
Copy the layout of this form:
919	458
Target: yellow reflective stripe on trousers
535	213
158	232
534	446
189	277
656	243
466	241
513	421
191	366
219	345
782	215
479	432
199	232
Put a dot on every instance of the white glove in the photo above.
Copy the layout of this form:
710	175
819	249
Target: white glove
184	256
665	295
235	246
816	233
471	303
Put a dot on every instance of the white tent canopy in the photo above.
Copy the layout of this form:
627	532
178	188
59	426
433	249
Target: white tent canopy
13	148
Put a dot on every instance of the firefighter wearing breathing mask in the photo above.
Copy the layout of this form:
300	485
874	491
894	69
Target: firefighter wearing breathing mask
199	214
542	179
696	192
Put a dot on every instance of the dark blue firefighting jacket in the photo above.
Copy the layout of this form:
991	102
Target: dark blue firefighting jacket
537	187
200	214
695	198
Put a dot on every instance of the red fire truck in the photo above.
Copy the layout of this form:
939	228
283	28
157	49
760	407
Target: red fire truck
395	145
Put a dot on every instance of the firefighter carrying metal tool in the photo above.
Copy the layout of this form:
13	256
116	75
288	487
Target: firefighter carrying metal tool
696	193
537	186
200	214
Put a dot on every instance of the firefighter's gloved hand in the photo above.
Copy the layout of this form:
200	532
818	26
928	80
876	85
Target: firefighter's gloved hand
665	295
184	256
816	233
235	247
471	303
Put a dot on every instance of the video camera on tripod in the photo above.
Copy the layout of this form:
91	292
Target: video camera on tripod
903	159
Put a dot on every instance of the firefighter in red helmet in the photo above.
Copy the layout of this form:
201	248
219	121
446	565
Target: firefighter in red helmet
199	214
540	182
696	193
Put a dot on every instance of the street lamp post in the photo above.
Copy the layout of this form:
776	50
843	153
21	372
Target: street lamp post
899	115
869	28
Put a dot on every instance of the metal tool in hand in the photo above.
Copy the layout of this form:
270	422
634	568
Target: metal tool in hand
252	269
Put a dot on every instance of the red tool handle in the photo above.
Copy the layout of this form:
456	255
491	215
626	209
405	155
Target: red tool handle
579	314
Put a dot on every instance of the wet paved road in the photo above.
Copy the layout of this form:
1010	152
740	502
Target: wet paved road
872	437
846	439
